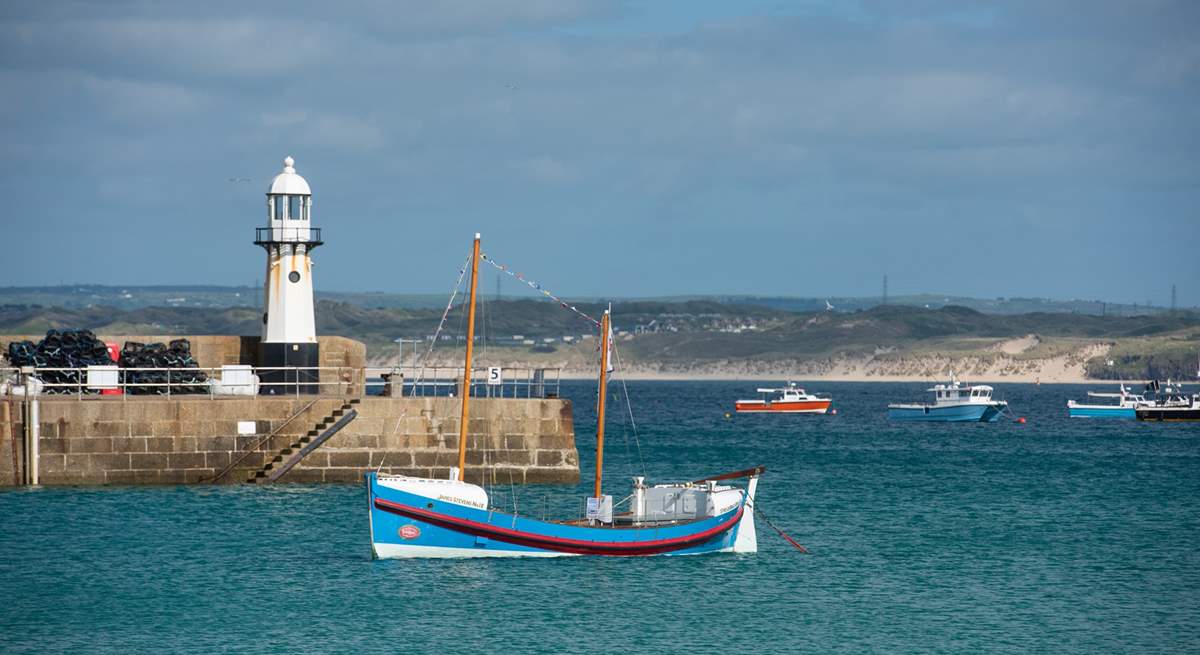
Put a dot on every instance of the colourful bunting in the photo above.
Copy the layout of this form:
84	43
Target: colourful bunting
536	287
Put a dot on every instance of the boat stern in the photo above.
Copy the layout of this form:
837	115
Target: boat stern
994	411
746	540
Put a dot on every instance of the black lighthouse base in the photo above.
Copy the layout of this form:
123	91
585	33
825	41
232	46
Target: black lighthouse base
289	368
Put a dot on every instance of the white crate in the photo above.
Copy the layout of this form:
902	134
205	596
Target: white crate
103	377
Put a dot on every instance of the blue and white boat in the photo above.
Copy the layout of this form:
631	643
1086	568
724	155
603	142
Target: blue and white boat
427	517
953	402
1125	407
422	517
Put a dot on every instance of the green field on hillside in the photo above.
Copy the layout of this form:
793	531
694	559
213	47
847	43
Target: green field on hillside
698	331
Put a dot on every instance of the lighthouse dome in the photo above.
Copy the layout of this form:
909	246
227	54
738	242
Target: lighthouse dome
288	182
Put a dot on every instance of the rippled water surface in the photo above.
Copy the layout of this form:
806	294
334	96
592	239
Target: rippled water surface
1056	536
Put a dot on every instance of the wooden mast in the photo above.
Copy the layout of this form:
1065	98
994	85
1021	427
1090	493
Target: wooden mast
466	385
604	332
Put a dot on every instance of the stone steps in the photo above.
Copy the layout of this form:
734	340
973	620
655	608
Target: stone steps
286	452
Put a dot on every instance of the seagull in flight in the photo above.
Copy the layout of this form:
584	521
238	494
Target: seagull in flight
240	179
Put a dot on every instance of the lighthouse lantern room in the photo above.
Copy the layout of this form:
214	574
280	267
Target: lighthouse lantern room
288	354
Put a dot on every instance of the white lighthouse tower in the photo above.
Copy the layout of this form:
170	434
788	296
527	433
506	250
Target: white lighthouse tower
289	335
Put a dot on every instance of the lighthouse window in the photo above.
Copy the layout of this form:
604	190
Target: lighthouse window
294	207
278	202
294	276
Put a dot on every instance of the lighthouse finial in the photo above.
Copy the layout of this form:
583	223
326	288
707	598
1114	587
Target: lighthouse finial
288	164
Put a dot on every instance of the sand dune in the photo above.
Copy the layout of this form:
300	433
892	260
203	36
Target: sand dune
997	364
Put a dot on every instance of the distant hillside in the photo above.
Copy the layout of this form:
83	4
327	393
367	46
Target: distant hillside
134	297
498	321
709	337
937	301
892	338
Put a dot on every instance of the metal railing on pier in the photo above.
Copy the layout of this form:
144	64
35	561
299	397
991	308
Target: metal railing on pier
486	382
241	380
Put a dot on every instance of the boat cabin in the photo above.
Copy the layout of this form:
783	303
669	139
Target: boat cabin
788	393
1172	395
676	503
957	393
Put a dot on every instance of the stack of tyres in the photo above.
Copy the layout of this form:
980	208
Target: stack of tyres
175	358
66	349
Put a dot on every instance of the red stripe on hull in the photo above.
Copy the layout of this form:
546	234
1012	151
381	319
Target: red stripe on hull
811	406
559	544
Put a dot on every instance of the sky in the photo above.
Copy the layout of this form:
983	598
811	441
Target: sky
806	148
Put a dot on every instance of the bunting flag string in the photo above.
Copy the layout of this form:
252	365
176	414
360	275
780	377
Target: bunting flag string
536	287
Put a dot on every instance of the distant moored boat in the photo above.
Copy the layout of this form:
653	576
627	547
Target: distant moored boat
787	400
953	402
1125	407
1171	403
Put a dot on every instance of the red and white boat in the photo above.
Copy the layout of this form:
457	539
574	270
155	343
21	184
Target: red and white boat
788	400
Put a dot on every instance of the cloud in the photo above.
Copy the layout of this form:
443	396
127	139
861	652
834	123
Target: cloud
526	113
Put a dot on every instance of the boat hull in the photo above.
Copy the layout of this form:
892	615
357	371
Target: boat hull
789	407
1168	414
964	413
405	524
1102	411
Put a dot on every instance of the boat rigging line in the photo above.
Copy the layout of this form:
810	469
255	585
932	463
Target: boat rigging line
462	272
629	409
536	286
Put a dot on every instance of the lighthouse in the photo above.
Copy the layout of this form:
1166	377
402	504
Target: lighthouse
288	354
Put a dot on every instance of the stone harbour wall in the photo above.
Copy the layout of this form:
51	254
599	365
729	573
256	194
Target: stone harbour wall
182	440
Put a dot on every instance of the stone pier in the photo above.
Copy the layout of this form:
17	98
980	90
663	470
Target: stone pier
181	440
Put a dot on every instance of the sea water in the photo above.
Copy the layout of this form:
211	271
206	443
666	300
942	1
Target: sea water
1058	535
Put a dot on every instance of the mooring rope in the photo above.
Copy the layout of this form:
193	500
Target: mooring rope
783	534
754	505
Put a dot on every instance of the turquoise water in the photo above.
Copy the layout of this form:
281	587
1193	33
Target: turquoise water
1054	536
